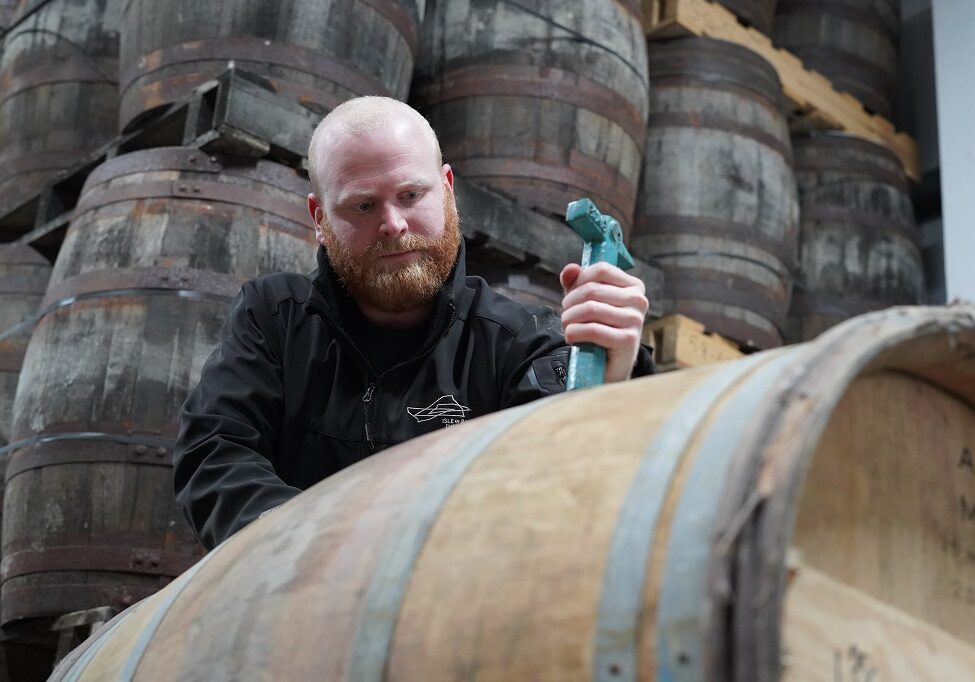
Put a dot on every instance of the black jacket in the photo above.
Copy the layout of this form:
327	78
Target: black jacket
287	398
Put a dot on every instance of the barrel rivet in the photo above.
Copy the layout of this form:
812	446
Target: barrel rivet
160	452
126	600
140	450
193	159
196	189
181	188
154	561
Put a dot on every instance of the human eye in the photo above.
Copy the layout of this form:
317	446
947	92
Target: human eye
410	196
361	206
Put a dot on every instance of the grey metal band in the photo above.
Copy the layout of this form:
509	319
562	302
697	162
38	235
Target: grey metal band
682	592
387	589
620	605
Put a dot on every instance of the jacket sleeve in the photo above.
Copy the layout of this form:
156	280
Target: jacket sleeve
539	363
223	461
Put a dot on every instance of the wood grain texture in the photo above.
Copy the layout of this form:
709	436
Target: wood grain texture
58	92
717	206
137	299
543	102
319	53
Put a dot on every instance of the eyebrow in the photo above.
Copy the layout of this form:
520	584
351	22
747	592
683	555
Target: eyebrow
355	197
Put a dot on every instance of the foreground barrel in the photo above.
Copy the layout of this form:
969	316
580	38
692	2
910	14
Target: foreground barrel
717	206
545	102
859	242
317	52
58	91
160	242
851	42
817	500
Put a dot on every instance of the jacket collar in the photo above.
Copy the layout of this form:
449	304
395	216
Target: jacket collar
329	297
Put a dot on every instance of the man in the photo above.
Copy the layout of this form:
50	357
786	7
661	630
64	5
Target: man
386	341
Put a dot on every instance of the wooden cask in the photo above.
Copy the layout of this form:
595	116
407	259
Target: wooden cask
530	287
859	243
747	521
159	245
545	102
58	91
718	207
23	278
851	42
317	52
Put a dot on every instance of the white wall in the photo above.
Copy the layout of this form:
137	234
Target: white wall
954	59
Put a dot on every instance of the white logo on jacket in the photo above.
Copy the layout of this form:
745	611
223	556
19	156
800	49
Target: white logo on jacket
446	408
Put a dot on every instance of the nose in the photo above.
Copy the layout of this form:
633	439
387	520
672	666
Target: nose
393	221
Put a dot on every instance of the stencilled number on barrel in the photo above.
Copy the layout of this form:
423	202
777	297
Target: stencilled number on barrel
966	504
853	665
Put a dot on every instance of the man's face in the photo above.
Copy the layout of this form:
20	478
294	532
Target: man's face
388	220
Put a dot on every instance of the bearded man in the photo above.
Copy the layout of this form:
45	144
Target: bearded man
386	341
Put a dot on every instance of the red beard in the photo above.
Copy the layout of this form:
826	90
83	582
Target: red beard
393	287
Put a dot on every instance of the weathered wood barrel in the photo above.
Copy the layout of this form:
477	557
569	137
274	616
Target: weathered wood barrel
530	287
859	243
718	207
23	278
58	91
759	14
158	246
318	52
545	102
817	500
851	42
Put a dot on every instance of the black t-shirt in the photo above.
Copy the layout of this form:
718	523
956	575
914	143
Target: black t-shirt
384	347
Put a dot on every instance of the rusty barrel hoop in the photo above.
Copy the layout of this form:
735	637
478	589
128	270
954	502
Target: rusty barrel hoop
651	539
58	92
158	246
317	53
859	244
717	206
544	103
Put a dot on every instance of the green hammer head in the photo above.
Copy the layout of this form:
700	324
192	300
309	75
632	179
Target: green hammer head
601	231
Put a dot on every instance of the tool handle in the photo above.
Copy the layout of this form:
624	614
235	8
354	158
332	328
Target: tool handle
587	366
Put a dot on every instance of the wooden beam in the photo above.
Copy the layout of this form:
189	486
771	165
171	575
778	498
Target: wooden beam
680	342
834	633
816	103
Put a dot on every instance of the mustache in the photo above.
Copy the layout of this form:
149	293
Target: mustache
407	242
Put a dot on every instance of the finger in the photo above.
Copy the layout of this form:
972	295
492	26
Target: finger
612	339
608	274
603	313
631	297
569	275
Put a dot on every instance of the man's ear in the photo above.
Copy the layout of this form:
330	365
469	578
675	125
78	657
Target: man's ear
317	216
448	176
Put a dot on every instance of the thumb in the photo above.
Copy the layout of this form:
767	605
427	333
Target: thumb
569	275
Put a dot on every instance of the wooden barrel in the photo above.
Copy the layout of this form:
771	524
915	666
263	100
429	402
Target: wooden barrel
23	278
759	14
859	243
531	287
159	244
318	52
545	102
717	206
733	522
851	42
58	92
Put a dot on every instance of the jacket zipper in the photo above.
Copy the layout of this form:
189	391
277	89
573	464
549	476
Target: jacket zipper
366	400
371	389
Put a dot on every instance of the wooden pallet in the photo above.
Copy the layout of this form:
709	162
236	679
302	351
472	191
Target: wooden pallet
816	104
680	342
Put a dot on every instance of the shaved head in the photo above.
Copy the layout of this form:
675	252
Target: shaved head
358	117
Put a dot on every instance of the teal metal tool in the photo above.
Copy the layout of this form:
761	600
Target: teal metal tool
602	240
